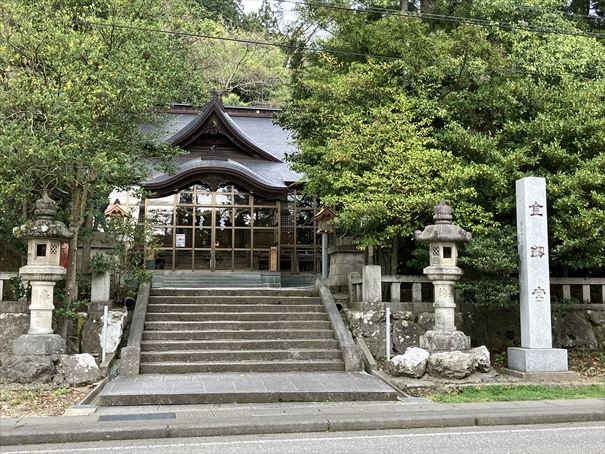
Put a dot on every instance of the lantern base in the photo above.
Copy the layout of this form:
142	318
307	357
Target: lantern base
39	345
445	341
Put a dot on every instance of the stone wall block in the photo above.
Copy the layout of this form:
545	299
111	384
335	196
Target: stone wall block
405	334
371	325
426	320
91	333
573	330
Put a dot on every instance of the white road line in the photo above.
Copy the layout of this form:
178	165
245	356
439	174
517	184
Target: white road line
281	440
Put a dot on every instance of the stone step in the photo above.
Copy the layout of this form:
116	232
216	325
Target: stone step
235	355
235	387
234	316
165	291
232	299
239	334
235	325
232	308
236	344
197	285
174	367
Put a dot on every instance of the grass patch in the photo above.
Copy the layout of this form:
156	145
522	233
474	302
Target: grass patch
523	392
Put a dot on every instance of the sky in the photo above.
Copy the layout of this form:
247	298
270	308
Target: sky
251	5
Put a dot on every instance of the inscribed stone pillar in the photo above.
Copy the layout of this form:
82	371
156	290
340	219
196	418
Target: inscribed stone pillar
535	354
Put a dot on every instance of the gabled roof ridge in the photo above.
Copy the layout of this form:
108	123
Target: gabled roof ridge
215	106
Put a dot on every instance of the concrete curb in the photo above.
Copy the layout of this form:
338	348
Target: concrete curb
23	433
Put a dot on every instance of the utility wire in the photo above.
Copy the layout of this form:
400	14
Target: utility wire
400	12
265	43
446	18
237	40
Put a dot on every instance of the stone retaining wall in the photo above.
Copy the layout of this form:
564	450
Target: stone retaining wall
14	321
580	326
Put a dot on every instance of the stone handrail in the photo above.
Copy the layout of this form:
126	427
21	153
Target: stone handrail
395	281
356	283
584	282
131	354
350	350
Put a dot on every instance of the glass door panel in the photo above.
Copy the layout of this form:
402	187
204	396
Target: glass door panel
223	259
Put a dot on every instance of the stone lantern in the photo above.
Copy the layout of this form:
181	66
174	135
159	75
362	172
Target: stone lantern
44	236
443	237
324	226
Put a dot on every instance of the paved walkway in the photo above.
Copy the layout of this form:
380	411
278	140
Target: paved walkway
211	388
164	421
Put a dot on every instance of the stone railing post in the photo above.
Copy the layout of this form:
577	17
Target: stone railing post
395	292
371	291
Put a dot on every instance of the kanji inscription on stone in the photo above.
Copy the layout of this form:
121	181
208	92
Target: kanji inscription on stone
539	294
533	257
536	209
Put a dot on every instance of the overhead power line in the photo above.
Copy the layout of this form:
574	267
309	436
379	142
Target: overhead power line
238	40
445	18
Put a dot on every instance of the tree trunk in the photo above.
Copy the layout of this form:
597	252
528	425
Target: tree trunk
403	4
79	196
86	246
395	256
71	281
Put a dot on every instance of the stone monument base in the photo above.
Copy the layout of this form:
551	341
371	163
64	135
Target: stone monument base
39	345
543	376
444	341
537	359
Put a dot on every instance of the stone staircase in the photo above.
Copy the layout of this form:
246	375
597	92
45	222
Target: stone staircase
222	279
201	330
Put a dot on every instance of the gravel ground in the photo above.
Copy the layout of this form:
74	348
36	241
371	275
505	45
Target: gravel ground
27	400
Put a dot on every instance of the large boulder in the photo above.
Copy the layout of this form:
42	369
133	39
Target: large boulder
79	369
481	355
27	369
452	365
412	363
405	334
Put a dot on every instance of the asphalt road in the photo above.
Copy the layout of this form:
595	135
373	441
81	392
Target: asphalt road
581	438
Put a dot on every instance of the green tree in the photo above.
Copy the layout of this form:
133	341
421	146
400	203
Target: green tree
499	104
77	82
229	12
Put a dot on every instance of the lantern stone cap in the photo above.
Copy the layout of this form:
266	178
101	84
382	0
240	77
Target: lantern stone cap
44	224
115	210
324	214
443	229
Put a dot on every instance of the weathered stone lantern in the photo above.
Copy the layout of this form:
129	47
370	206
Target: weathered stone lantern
443	272
44	236
324	219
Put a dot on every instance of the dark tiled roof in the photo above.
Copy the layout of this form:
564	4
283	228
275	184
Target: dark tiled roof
259	129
